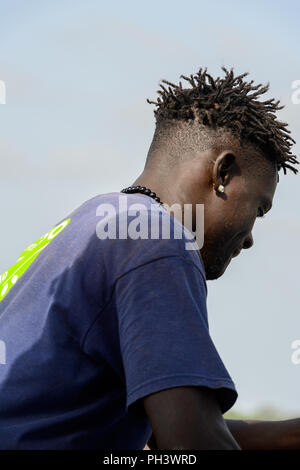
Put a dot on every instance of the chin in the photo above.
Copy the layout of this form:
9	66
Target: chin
215	270
213	274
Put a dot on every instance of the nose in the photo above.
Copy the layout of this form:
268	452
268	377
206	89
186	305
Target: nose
248	242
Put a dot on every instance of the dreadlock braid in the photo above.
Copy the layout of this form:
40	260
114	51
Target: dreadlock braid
233	103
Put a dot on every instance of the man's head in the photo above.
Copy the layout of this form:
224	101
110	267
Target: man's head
218	134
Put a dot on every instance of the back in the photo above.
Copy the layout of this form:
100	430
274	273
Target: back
77	325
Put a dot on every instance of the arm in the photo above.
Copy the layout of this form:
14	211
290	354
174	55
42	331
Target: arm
266	435
187	418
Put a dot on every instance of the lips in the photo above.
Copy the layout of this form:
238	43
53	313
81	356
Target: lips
236	253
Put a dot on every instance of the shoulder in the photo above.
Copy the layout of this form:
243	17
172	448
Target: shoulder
129	230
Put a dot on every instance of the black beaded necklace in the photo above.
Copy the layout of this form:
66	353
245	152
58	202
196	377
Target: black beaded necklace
143	190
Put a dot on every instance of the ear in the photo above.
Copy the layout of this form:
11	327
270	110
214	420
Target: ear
222	168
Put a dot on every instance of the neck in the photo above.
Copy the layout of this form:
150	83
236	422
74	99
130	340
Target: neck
157	183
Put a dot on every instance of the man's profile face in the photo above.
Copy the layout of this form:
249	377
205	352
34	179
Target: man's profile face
229	218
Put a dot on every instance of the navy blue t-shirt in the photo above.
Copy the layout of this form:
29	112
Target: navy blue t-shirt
92	319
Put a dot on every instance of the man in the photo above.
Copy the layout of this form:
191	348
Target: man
106	330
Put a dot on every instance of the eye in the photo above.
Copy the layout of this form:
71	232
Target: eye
260	213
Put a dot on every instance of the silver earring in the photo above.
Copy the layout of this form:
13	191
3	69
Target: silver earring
221	188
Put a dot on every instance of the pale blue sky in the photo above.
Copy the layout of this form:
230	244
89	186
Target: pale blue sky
77	124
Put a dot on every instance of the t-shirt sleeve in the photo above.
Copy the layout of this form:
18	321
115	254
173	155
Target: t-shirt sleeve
164	333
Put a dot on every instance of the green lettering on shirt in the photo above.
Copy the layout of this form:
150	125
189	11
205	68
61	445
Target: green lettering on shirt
9	278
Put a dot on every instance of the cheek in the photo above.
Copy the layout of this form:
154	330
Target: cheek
244	215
